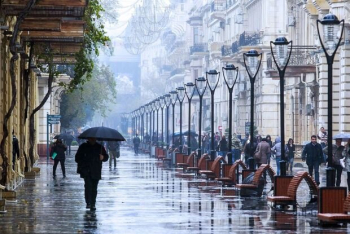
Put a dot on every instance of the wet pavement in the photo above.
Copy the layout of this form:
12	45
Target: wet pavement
141	195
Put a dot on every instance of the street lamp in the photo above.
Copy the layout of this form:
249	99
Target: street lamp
181	97
167	104
212	81
157	105
189	87
201	86
153	106
230	73
142	111
252	69
283	56
162	104
173	97
330	44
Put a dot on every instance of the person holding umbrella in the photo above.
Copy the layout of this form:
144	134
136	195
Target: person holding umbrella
59	149
89	157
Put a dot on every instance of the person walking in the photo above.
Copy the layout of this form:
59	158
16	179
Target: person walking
264	150
276	149
346	154
313	155
222	146
337	150
136	141
15	150
59	149
89	158
249	149
269	141
68	140
114	152
290	148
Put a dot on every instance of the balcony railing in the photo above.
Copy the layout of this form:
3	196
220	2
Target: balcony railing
218	5
245	39
301	56
199	48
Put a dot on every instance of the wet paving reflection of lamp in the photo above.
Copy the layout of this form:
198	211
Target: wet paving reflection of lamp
252	69
173	97
201	86
330	43
230	73
189	88
212	81
283	56
181	97
167	104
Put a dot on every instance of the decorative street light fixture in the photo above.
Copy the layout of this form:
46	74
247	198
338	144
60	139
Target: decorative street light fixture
330	44
252	69
153	135
212	81
283	56
230	73
181	97
201	86
189	87
173	96
167	104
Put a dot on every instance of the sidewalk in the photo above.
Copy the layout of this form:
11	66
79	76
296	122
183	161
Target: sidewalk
140	196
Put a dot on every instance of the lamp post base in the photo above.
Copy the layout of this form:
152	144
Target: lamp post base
212	155
283	168
330	177
251	163
229	158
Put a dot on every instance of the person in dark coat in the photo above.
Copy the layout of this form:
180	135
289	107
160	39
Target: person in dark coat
223	146
249	149
337	150
15	151
264	149
136	141
313	155
290	152
89	157
268	140
59	148
69	139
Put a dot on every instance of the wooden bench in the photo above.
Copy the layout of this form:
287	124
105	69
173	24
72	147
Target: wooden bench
258	174
201	165
233	174
290	197
160	153
333	205
214	171
188	163
281	184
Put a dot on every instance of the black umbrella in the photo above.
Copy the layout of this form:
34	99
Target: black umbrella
102	134
62	136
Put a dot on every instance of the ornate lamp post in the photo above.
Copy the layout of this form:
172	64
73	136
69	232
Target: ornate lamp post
157	105
181	97
212	81
173	97
189	87
167	104
162	105
283	56
201	86
252	69
230	73
142	123
330	44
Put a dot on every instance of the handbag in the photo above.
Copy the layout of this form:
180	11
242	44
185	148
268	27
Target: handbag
54	154
342	162
257	154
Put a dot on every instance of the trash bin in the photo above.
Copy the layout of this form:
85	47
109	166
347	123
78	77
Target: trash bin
236	153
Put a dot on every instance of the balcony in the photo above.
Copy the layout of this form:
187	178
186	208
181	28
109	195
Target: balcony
217	10
199	48
245	39
226	50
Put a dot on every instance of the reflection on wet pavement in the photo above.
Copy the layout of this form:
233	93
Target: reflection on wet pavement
142	196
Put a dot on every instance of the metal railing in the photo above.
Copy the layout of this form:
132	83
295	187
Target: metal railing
245	39
199	48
